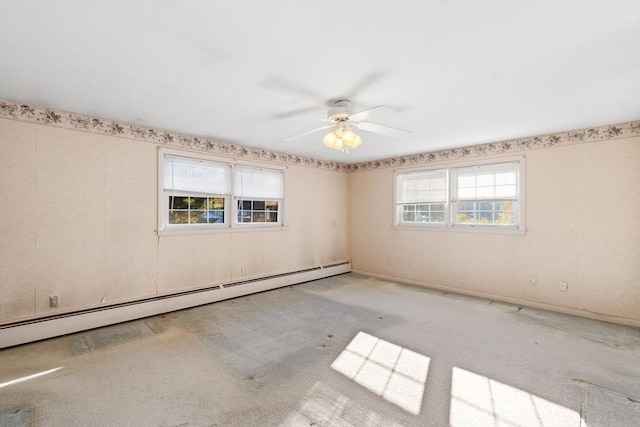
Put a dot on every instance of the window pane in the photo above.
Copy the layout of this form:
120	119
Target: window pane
487	181
194	210
272	217
486	217
483	180
258	182
194	216
466	181
487	192
426	186
178	217
212	217
195	187
505	178
466	193
463	218
198	203
178	202
195	175
215	203
423	213
487	213
257	211
272	205
506	191
409	216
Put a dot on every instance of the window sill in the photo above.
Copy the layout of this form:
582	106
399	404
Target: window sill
219	230
462	229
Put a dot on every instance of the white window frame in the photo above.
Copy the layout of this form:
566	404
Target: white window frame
230	209
398	206
238	197
450	208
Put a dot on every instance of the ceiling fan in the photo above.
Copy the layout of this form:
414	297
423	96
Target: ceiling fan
341	119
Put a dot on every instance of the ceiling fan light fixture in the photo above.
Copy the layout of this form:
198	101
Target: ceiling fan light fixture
330	139
342	138
341	118
357	142
348	137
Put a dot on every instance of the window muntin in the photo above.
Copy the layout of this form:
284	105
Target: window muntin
252	211
485	195
259	193
202	192
486	213
421	197
190	209
424	212
196	175
195	191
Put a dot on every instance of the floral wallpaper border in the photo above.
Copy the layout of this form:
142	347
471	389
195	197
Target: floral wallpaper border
555	139
48	116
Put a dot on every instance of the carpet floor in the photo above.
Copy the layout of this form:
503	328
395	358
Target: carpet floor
343	351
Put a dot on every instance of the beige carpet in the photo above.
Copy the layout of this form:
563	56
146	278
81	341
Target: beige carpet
343	351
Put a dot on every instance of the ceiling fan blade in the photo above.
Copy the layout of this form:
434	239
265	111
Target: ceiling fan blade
308	132
300	112
367	81
384	130
364	114
279	84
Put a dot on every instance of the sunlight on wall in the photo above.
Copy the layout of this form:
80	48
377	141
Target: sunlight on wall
480	401
388	370
29	377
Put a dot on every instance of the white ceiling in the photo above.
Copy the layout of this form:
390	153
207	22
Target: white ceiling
455	73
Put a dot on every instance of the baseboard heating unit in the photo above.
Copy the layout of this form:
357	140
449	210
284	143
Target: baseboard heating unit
22	332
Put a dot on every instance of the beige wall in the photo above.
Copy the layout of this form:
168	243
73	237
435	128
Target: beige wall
583	227
78	215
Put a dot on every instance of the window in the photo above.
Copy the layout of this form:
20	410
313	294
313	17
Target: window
422	197
196	190
259	193
484	195
202	192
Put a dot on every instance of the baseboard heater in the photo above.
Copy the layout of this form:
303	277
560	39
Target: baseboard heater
66	323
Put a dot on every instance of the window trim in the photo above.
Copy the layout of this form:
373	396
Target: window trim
447	209
235	198
230	210
449	223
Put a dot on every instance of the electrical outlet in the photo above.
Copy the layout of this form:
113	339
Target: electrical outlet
53	301
243	271
533	281
564	286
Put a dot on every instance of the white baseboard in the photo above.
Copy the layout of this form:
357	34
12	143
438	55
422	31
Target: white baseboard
67	323
515	301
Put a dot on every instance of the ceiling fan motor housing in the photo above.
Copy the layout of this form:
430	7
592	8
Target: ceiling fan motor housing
341	111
